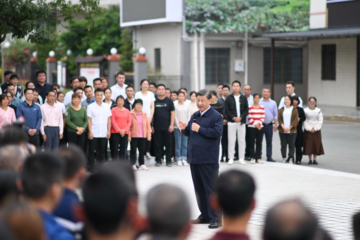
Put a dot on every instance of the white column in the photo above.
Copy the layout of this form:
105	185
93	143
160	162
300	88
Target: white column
202	61
196	62
246	58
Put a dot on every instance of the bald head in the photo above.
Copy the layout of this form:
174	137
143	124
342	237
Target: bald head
290	220
168	210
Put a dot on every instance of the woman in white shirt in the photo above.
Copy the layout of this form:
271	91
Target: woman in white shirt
148	106
312	135
181	141
288	119
192	105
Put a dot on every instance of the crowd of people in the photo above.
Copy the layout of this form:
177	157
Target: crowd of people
96	116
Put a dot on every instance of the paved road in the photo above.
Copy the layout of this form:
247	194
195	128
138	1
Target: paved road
341	141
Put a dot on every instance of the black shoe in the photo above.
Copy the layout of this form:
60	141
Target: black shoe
287	161
247	158
298	162
169	165
222	160
199	221
214	225
157	164
310	162
270	160
315	162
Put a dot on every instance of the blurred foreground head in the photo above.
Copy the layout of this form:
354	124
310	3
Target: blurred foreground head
290	220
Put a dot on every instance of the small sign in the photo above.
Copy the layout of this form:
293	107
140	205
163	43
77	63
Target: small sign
90	73
239	65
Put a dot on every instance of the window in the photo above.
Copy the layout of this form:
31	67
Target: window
217	66
288	65
328	62
157	59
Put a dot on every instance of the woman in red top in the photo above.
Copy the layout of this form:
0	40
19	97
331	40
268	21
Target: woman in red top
120	125
256	118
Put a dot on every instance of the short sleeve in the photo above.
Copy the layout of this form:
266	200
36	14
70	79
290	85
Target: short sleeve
152	97
171	104
89	111
109	113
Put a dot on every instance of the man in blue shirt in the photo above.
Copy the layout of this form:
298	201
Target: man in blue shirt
204	130
42	187
12	90
31	113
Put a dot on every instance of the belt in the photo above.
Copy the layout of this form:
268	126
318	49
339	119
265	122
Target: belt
52	126
267	124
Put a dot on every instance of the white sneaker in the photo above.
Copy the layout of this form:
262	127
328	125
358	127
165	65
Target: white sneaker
231	161
134	168
148	155
242	162
260	161
143	167
185	163
179	163
252	161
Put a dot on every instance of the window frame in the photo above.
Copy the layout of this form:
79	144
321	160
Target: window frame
219	58
328	62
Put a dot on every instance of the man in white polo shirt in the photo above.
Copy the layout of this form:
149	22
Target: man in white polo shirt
120	87
99	125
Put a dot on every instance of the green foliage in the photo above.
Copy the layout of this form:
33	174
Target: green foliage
246	16
44	49
20	51
36	19
127	52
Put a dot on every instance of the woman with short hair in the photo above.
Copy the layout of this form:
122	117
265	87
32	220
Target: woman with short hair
7	114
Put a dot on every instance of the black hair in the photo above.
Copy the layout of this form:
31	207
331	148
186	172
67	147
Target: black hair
14	76
226	86
12	135
119	73
34	90
129	86
29	89
60	93
40	172
105	207
213	93
161	85
119	97
295	97
356	225
82	79
78	88
236	81
167	89
7	72
98	90
291	99
51	90
192	92
8	187
138	101
96	79
220	84
175	92
204	92
290	82
55	85
10	85
75	95
74	159
107	89
2	97
235	191
73	78
27	84
152	83
183	89
256	94
312	98
144	80
181	92
39	71
88	86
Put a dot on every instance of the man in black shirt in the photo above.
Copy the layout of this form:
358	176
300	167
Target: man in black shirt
41	86
6	80
129	101
164	117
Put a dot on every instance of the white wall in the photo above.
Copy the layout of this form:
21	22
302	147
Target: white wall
167	37
342	91
318	16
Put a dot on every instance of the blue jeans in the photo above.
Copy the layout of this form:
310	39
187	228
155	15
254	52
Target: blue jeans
181	145
268	132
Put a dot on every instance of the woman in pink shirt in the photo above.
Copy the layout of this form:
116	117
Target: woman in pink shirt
120	125
140	131
7	114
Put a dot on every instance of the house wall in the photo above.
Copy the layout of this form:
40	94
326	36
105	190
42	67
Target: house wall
342	91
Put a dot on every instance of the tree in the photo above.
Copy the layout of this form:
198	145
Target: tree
127	52
35	20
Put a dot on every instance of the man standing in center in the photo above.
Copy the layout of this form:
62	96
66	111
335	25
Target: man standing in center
164	117
120	87
236	111
204	130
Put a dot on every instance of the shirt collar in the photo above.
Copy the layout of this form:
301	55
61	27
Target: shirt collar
202	113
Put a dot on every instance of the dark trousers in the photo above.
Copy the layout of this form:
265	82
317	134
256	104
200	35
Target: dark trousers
268	132
116	140
147	146
52	138
247	143
139	144
255	139
78	140
100	143
163	138
203	176
35	140
287	139
299	145
224	143
64	140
